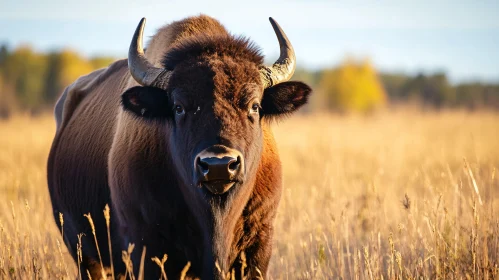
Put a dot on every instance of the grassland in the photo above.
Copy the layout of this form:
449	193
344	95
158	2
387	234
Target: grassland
398	195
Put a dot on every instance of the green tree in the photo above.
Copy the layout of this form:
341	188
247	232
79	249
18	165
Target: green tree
4	53
393	84
25	70
433	90
477	95
65	67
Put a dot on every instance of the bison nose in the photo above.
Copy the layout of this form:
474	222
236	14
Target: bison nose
213	168
218	168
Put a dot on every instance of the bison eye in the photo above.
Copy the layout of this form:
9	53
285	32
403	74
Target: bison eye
179	110
255	107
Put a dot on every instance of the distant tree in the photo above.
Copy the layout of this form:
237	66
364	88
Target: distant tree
491	95
100	62
53	85
64	68
4	53
393	84
32	81
25	70
8	102
433	90
72	67
353	86
477	95
470	95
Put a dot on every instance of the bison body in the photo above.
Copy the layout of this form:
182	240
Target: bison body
177	142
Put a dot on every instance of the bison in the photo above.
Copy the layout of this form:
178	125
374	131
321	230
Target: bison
177	141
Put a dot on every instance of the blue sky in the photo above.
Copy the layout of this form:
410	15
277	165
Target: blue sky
459	37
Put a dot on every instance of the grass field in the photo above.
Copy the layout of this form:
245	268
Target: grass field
399	195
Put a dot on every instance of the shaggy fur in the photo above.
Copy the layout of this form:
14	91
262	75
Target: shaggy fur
122	144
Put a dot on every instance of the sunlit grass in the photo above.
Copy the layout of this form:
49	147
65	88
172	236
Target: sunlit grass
393	196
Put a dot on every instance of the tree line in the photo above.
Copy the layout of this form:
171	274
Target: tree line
31	81
354	85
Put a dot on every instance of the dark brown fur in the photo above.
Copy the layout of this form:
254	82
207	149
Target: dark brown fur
139	163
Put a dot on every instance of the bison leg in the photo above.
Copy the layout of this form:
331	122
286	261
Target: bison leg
75	225
257	256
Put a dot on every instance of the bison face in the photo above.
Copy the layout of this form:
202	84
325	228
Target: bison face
214	93
214	110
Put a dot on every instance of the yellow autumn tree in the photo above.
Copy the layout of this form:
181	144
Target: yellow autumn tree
24	72
31	81
100	62
67	66
352	87
73	66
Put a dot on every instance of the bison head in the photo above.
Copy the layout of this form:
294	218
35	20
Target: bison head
215	96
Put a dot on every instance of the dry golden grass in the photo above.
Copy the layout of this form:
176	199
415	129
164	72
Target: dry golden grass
392	196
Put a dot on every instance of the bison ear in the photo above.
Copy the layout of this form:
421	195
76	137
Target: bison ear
284	98
147	102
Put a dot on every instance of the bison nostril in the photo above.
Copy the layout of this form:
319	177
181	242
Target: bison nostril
203	166
234	165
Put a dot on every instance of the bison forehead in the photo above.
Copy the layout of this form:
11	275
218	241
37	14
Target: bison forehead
199	46
235	80
218	78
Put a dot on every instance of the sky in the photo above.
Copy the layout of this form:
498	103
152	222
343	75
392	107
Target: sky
458	37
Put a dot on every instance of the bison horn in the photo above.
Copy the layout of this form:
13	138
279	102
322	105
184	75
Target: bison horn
284	67
142	70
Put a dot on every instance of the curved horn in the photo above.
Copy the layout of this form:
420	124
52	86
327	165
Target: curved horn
142	70
284	67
